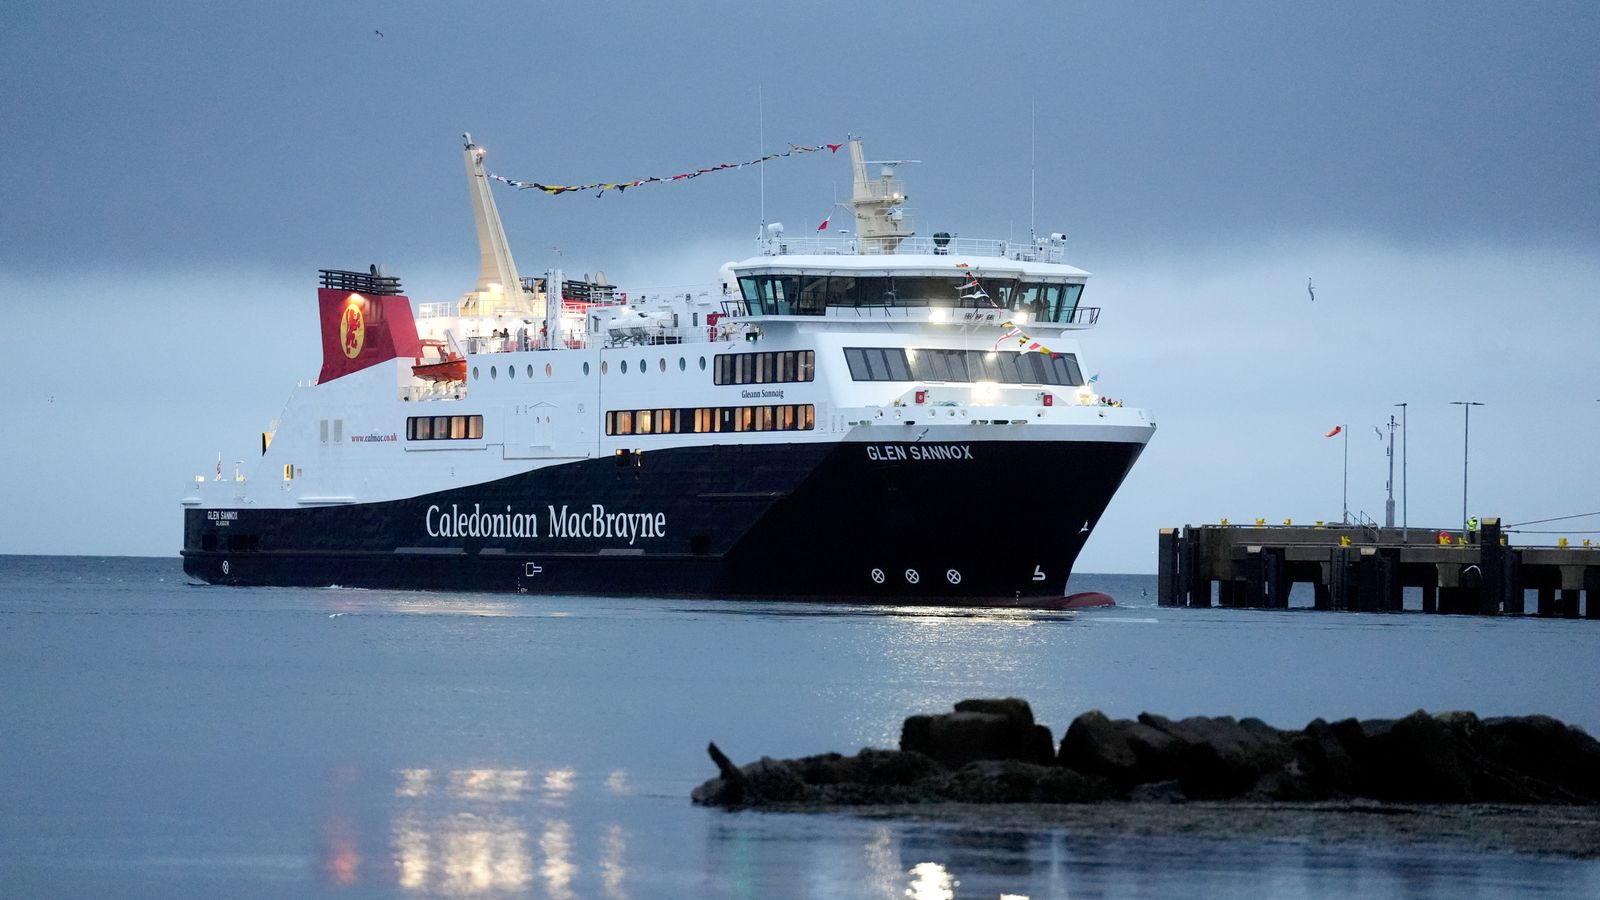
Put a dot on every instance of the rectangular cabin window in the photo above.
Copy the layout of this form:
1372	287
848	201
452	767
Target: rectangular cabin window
704	420
324	423
877	364
772	367
434	428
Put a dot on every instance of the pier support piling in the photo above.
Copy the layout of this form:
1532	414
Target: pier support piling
1167	573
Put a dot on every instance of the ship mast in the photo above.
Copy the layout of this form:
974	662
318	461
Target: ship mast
499	287
880	222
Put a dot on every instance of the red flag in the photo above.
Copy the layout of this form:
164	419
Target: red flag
834	148
1336	430
824	225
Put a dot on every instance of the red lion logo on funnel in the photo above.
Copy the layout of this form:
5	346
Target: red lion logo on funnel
352	330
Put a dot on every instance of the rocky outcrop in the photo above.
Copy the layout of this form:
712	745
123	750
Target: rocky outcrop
980	729
992	751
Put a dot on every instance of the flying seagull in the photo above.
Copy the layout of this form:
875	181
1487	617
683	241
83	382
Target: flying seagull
377	32
1309	290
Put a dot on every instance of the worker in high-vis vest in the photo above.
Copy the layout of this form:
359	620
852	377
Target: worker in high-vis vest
1472	530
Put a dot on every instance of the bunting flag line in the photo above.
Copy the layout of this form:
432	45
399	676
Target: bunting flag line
1025	343
600	187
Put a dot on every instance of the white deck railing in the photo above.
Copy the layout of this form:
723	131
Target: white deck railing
1024	251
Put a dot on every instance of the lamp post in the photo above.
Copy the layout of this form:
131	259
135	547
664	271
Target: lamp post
1388	501
1405	509
1466	436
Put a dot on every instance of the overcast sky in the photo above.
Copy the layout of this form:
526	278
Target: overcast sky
175	173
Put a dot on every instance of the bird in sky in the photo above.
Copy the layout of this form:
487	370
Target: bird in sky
1309	289
377	32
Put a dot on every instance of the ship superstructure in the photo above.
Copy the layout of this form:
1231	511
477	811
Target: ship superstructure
876	415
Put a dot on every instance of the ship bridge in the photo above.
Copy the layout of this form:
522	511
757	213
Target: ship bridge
934	282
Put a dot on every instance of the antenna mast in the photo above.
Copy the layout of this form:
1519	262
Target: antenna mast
1033	143
761	150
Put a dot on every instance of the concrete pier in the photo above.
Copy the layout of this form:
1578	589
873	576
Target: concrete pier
1367	569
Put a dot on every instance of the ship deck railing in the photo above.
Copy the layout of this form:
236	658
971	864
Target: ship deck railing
1047	251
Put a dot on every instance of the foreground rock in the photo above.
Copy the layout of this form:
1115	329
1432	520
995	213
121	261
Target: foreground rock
992	751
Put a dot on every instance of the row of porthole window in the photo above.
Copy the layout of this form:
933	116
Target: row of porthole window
605	368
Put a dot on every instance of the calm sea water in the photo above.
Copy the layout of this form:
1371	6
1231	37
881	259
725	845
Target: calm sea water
165	739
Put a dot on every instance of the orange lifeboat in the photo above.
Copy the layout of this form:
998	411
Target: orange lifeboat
444	367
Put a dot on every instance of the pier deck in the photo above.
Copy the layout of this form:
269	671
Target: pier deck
1367	569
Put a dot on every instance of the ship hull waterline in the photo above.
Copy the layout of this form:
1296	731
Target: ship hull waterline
949	523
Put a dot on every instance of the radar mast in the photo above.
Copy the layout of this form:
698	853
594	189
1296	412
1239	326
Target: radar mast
880	222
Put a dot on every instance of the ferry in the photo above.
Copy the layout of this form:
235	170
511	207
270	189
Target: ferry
873	416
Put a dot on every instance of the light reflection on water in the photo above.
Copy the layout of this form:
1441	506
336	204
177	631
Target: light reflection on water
473	835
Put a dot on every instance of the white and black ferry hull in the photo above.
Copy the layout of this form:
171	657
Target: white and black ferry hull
898	522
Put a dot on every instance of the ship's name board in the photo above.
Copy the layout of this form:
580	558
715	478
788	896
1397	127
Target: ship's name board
917	452
566	522
761	395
